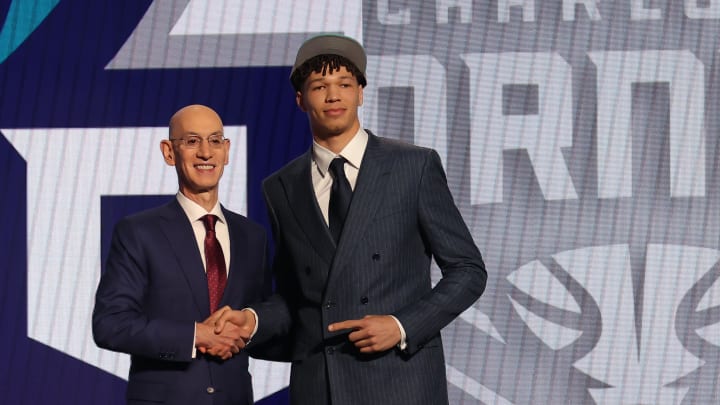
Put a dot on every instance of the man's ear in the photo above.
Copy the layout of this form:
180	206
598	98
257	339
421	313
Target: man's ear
227	151
299	101
166	148
360	96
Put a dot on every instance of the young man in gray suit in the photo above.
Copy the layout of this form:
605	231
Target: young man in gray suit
356	221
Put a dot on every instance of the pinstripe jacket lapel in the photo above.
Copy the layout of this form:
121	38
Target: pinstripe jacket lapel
370	190
297	182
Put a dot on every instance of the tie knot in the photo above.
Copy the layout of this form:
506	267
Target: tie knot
337	167
209	222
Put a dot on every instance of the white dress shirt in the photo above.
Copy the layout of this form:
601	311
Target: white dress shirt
194	214
322	157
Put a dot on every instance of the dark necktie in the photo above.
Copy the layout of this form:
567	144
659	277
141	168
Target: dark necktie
214	263
340	196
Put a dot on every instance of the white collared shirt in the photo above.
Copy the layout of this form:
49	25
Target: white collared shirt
195	213
322	180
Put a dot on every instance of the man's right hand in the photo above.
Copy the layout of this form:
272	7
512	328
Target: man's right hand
243	319
222	344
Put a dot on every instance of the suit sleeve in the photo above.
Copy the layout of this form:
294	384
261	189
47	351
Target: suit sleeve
274	318
119	321
455	252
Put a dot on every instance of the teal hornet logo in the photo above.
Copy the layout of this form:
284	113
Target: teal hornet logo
23	17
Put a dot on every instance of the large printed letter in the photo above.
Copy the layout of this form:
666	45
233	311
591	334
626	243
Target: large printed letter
590	7
402	17
694	12
528	8
426	76
442	8
542	134
639	12
616	72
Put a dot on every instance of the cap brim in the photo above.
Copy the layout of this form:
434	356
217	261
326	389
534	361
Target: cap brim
331	44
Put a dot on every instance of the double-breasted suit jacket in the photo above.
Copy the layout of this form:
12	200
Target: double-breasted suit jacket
401	216
152	292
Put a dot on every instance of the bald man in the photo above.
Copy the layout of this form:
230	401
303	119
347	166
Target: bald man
171	268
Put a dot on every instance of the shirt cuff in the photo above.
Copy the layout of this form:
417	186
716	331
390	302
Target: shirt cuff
194	349
402	344
255	315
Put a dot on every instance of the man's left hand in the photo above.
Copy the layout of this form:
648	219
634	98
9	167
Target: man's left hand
371	334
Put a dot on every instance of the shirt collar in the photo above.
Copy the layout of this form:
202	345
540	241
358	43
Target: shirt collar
194	211
353	152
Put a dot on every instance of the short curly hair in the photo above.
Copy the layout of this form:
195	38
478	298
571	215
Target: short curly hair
325	64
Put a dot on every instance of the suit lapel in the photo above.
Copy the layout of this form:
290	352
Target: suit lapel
370	191
297	182
179	232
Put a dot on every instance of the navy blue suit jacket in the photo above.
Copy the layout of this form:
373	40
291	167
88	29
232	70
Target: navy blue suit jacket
402	215
152	291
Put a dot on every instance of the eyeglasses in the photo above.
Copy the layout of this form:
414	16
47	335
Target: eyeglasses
193	142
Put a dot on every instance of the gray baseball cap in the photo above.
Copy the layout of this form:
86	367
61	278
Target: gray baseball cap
332	44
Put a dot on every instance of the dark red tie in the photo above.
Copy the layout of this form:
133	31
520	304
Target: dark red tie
214	263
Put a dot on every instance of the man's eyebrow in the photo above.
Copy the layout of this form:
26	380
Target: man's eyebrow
193	133
323	78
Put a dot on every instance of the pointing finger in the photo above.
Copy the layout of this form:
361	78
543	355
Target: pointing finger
351	324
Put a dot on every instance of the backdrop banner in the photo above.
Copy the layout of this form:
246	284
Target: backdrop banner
579	139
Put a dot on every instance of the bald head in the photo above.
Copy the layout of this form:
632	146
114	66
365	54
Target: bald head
198	150
195	112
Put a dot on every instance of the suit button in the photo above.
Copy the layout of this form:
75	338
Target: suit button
329	304
364	300
210	390
330	350
376	257
307	270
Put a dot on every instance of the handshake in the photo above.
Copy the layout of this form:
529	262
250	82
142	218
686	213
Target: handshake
228	331
225	332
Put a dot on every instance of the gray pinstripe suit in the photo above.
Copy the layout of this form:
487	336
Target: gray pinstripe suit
402	214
